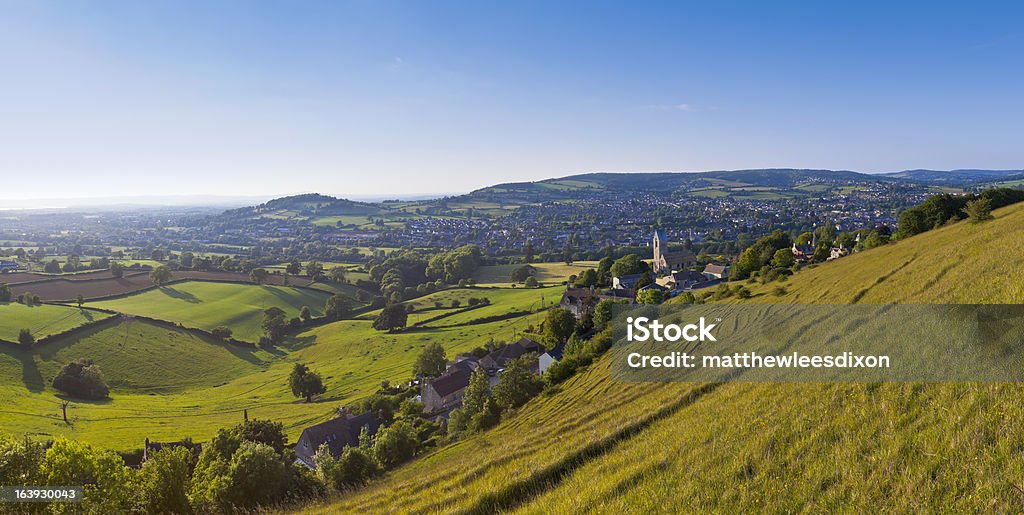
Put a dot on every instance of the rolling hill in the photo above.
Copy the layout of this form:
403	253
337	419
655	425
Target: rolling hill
597	445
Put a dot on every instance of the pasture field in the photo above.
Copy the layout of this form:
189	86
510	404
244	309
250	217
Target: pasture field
99	285
498	275
503	300
43	320
207	305
167	384
593	444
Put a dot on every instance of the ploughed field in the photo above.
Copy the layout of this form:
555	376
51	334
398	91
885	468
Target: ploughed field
96	285
597	445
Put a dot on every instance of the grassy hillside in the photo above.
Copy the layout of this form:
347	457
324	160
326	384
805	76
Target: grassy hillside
208	305
42	320
962	263
498	275
598	445
167	384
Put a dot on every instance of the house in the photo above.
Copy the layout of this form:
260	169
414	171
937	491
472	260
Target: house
579	301
668	262
678	281
626	282
713	271
838	252
337	433
8	266
806	251
445	392
549	358
501	357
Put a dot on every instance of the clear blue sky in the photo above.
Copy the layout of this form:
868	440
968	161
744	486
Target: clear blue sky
378	97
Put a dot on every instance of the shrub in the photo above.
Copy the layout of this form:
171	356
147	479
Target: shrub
25	337
222	332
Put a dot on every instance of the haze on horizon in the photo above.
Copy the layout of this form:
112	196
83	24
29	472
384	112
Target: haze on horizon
382	99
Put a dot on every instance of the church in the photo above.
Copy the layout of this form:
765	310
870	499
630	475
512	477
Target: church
667	262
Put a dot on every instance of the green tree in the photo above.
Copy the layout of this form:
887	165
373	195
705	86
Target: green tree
81	378
294	267
305	383
315	270
338	306
117	270
25	338
395	444
255	476
161	275
258	275
531	282
102	475
603	312
431	361
165	480
629	264
337	274
587	278
650	296
5	293
274	324
305	313
80	300
979	210
558	325
476	394
522	273
783	258
517	384
528	252
392	317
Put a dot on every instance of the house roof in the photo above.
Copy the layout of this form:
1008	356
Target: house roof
453	380
578	296
557	352
715	269
336	433
502	356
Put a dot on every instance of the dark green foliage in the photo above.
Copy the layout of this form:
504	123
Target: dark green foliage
393	316
431	361
522	273
558	325
455	265
5	292
395	444
274	324
517	384
979	210
305	383
629	264
25	338
222	332
940	209
164	481
338	307
759	254
81	379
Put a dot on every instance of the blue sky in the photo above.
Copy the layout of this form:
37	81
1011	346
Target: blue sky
378	98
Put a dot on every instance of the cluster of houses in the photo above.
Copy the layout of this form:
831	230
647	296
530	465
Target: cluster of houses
443	394
673	275
806	251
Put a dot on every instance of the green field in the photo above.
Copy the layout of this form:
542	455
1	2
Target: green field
596	445
498	275
206	305
42	320
167	384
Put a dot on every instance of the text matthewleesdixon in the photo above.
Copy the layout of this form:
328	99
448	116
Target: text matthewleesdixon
643	329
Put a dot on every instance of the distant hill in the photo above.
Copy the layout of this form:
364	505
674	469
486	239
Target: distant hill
597	445
309	206
954	177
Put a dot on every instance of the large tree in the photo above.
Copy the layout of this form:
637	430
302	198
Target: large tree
338	307
431	361
305	383
274	324
393	316
161	275
558	325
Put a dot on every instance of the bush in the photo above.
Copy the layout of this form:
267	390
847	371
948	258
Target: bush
82	379
222	332
25	337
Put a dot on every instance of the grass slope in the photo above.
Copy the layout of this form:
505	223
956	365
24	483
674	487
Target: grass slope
42	320
595	445
498	275
207	305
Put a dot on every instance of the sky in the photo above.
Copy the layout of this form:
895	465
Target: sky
381	98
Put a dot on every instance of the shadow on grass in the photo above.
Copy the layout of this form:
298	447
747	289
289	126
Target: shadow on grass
180	295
